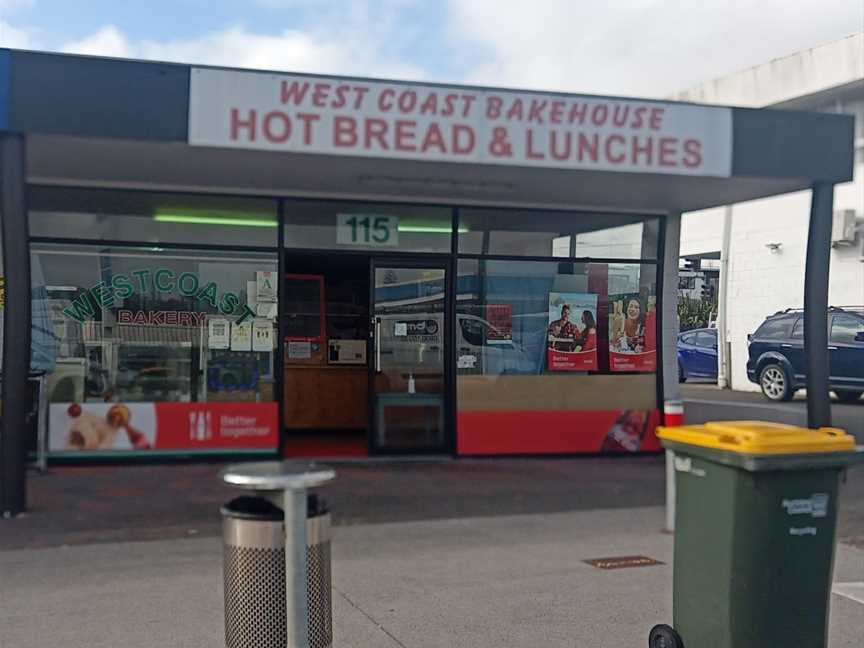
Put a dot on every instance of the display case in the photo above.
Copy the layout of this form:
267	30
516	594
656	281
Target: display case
150	371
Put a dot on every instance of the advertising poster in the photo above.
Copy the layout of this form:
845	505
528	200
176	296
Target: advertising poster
632	333
141	427
571	342
627	432
500	318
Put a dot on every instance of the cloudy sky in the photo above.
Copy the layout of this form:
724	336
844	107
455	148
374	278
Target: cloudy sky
629	47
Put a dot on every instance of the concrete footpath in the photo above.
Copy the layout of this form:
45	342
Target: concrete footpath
506	581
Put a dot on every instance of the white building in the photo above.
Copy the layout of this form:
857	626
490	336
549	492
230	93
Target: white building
769	237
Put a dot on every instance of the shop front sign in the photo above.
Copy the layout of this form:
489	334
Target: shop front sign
105	294
303	114
161	318
367	229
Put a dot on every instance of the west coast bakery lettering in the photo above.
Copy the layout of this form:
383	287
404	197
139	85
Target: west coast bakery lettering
161	318
377	119
105	294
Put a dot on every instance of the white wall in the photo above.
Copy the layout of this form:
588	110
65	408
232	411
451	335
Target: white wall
800	74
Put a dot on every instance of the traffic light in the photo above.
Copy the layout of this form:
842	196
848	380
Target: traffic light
708	291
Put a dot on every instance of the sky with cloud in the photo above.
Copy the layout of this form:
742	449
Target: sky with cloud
626	47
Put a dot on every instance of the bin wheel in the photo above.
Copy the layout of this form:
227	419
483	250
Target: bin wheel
664	636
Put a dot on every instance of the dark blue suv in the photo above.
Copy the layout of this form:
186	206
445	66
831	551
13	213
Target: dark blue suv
777	362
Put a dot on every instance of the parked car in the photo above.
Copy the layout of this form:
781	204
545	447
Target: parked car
778	363
697	354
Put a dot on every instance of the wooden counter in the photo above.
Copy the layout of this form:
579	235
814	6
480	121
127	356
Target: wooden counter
326	397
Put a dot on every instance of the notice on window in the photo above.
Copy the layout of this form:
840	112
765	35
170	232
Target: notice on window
241	336
218	333
400	329
299	350
266	310
500	318
262	335
466	362
367	229
266	284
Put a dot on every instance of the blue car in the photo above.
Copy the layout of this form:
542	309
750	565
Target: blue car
697	354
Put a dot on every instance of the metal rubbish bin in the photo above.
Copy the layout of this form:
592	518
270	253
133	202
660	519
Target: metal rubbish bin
276	555
254	572
755	521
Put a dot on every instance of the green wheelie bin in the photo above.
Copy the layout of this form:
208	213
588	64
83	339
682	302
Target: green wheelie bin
755	522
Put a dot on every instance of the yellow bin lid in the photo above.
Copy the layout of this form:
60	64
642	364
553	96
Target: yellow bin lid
759	437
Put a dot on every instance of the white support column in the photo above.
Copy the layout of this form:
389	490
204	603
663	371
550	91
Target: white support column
724	362
669	334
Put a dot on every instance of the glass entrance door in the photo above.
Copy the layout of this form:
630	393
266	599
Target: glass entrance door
409	365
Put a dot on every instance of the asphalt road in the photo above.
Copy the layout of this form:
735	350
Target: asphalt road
705	402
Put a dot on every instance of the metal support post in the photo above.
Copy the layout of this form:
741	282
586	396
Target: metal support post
297	608
15	392
816	306
669	333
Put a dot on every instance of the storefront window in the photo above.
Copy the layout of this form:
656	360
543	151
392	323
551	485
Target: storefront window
555	356
383	227
557	234
160	350
141	217
550	317
135	325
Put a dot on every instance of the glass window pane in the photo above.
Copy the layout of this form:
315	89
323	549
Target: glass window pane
133	325
774	329
798	328
142	217
557	234
550	359
349	226
535	317
706	340
844	328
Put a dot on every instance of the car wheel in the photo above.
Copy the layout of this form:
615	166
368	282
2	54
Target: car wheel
774	382
681	375
848	396
664	636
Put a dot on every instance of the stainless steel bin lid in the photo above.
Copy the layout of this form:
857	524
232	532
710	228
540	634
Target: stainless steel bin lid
277	475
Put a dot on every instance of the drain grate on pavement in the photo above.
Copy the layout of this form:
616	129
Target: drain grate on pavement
622	562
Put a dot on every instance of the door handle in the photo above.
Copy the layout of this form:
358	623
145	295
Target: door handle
833	348
377	345
786	346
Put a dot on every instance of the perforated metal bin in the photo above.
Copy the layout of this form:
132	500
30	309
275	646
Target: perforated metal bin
254	570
